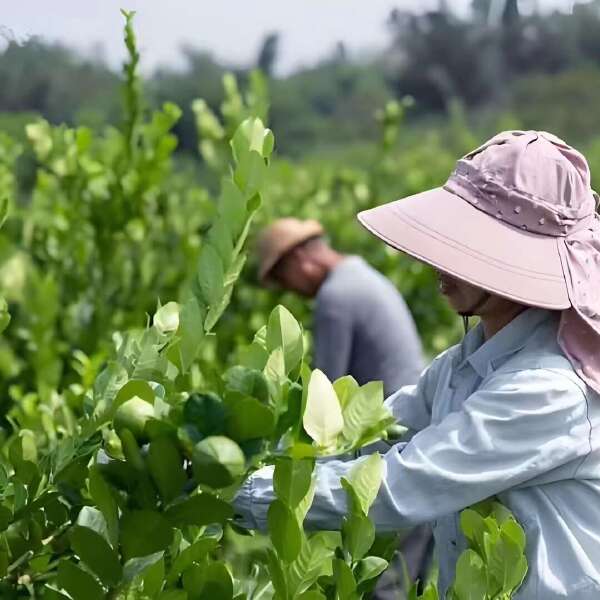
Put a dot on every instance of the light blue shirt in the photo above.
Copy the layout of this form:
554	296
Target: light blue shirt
507	417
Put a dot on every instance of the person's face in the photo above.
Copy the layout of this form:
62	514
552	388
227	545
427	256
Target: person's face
297	271
461	296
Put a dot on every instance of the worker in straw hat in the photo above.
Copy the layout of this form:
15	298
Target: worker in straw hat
362	327
513	411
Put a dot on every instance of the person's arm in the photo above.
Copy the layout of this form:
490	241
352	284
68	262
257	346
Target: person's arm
521	425
411	404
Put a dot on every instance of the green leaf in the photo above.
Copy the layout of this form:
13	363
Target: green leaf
193	581
471	581
216	311
207	412
253	356
514	532
322	420
249	419
6	517
344	579
153	577
277	575
252	135
192	554
358	534
292	480
369	568
311	595
221	239
133	388
284	531
165	464
96	553
91	518
217	461
218	584
345	387
135	567
275	366
306	502
4	314
173	595
250	173
506	563
501	513
78	583
3	210
365	477
247	381
210	274
190	333
232	207
106	386
283	331
202	509
144	532
473	527
361	411
313	560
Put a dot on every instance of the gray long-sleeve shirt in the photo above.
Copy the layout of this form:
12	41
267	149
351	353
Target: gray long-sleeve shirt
363	328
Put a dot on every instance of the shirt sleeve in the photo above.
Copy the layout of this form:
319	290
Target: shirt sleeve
411	404
519	426
333	341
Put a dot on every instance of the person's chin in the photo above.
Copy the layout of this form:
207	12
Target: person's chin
455	303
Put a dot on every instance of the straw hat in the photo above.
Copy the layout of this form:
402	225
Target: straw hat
280	237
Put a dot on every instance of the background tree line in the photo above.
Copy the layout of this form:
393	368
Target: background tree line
498	59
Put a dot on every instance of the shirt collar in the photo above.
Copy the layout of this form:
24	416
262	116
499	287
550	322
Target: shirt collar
484	356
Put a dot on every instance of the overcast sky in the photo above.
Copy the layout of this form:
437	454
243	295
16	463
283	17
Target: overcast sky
231	29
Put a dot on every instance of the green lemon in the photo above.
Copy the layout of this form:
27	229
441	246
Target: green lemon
217	461
133	415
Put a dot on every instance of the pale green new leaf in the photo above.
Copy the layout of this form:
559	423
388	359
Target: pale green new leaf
306	502
312	561
322	419
345	387
362	410
166	318
365	477
473	527
250	173
283	331
471	581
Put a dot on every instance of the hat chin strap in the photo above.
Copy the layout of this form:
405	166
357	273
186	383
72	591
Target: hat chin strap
465	314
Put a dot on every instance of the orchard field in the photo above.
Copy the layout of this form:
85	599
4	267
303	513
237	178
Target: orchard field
144	374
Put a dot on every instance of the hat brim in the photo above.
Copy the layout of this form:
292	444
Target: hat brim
447	232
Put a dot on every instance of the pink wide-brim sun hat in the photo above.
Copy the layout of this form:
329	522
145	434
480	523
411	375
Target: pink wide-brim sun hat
517	218
443	230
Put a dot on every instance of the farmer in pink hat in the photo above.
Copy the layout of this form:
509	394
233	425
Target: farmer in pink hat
513	411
